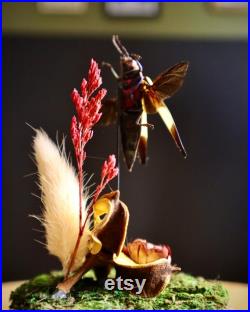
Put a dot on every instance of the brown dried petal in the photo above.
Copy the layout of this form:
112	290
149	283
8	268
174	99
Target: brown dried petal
141	251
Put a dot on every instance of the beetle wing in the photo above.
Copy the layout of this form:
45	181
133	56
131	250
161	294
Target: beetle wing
143	142
109	112
170	124
152	103
170	81
130	134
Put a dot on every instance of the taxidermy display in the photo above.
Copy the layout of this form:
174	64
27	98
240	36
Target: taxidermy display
86	228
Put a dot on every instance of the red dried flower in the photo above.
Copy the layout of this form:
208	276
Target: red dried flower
109	171
94	77
88	113
88	108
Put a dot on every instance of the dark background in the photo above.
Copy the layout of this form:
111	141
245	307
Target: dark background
198	206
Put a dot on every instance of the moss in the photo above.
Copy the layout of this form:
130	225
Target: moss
184	292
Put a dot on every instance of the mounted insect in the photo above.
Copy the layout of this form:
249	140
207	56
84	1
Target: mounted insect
138	96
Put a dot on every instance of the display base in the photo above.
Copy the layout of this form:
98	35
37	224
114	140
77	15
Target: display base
183	293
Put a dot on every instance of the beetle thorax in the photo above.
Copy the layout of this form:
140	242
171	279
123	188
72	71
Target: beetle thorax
131	72
128	64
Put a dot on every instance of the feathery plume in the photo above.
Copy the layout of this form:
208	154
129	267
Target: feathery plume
59	187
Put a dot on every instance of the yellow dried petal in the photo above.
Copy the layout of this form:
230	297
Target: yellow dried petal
95	245
101	207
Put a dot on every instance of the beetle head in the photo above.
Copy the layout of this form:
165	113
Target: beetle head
129	62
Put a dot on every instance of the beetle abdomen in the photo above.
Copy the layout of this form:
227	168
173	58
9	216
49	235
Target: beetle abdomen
130	133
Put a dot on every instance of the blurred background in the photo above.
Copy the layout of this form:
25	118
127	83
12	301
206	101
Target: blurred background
199	205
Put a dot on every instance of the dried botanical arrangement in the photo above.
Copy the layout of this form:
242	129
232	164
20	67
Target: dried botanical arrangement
87	229
92	235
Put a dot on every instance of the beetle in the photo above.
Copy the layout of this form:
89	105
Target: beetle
138	96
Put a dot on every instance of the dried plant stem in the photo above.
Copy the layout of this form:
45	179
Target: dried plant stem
80	178
81	227
73	255
81	230
99	189
69	282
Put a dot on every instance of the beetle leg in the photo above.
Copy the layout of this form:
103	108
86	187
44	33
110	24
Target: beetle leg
111	69
148	125
144	124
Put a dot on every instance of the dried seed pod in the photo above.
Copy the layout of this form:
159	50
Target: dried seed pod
140	259
107	237
112	230
143	260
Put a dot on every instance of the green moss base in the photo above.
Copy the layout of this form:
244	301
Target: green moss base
184	292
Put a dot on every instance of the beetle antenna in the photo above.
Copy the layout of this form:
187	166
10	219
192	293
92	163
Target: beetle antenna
116	45
120	48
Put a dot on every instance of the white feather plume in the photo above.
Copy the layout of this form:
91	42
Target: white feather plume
60	197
